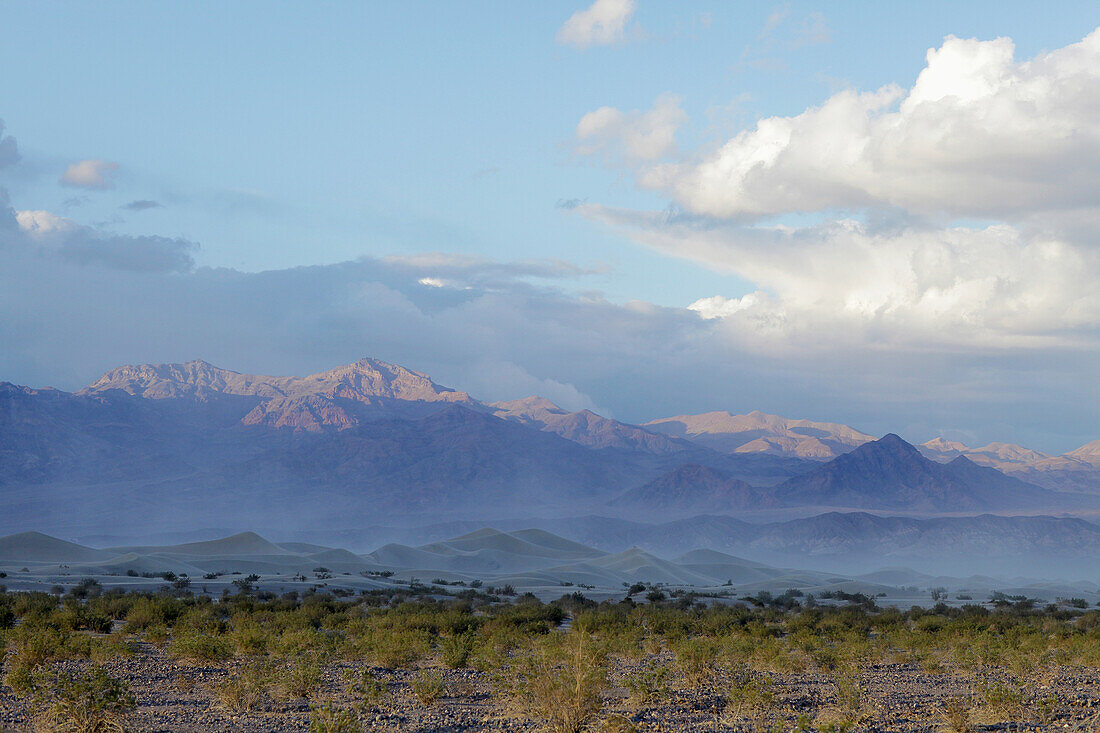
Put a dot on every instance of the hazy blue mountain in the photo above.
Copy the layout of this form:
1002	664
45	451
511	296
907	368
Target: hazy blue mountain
891	474
695	489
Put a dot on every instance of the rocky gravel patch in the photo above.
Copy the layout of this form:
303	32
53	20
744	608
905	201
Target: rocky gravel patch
175	696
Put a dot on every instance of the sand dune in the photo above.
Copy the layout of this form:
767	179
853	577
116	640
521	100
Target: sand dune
38	547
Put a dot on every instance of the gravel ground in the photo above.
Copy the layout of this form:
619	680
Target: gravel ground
177	696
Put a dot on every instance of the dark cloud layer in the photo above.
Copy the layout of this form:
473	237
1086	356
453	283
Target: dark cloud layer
51	236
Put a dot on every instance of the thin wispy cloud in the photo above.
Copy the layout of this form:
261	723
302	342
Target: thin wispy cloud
9	148
141	205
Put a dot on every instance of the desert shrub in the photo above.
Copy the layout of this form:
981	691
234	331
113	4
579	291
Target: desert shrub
90	701
530	618
560	683
245	689
251	638
648	685
956	715
1001	702
427	686
32	646
308	641
156	634
112	647
617	724
695	660
455	650
299	677
400	649
851	706
327	718
33	606
749	695
143	614
201	619
201	647
370	691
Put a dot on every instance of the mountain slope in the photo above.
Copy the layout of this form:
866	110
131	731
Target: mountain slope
693	489
891	474
340	398
757	432
585	427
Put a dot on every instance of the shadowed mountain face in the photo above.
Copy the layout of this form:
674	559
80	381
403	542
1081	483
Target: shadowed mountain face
892	474
694	489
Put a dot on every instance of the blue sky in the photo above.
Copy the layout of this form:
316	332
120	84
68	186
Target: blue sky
274	136
301	134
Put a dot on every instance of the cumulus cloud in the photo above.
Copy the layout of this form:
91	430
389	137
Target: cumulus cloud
978	134
602	23
9	149
632	136
55	235
91	174
919	287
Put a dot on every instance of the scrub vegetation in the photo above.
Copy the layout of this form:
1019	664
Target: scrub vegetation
103	661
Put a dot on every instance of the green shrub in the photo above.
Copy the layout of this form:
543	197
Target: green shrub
370	690
327	718
300	677
649	685
455	650
560	684
428	686
84	702
201	648
245	689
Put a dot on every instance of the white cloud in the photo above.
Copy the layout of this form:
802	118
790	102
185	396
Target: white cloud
633	136
978	134
43	224
843	282
602	23
94	174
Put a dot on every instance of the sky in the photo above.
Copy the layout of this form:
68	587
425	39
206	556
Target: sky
883	214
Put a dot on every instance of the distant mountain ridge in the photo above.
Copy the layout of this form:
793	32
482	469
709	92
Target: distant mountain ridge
585	427
884	474
340	398
1077	470
890	473
157	446
691	488
759	432
183	444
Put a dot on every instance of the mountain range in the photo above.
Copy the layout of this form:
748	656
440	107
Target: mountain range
171	445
